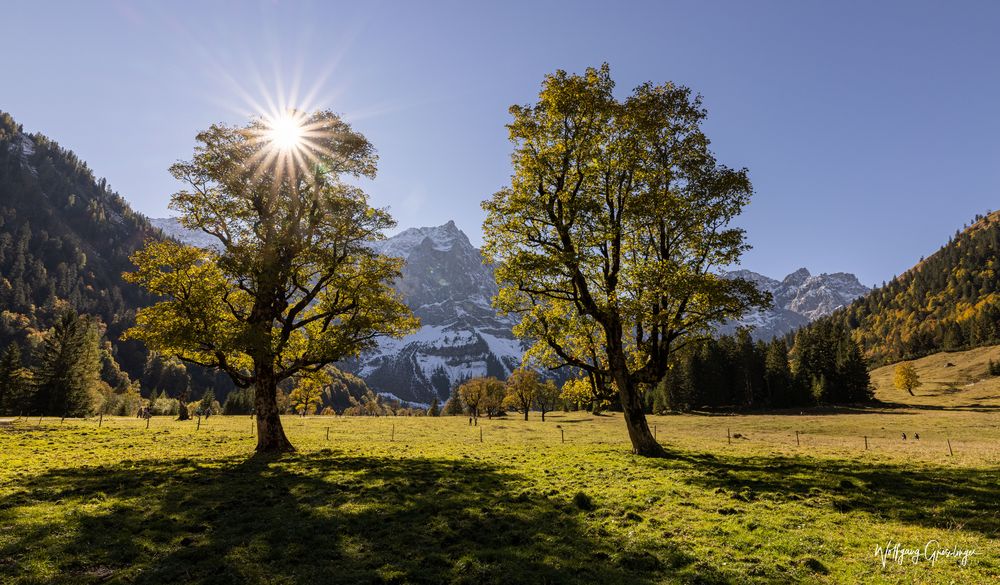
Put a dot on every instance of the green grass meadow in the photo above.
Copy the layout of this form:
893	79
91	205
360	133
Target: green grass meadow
425	500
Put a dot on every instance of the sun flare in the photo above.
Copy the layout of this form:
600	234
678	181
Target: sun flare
288	143
285	131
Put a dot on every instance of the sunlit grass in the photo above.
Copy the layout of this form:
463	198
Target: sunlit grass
404	500
949	379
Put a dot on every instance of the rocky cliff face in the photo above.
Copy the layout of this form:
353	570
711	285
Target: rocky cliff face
798	299
461	336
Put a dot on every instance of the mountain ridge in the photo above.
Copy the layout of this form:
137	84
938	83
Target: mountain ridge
65	240
799	298
448	286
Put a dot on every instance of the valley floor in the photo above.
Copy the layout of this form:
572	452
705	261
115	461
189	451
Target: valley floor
422	500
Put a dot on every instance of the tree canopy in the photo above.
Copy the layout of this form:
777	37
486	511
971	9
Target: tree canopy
905	377
521	390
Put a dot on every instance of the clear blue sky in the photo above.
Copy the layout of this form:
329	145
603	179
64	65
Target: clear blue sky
871	129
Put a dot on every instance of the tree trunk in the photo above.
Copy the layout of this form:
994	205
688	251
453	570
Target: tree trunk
270	434
642	439
525	414
182	409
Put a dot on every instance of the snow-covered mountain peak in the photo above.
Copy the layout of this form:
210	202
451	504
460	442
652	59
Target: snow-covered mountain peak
762	282
441	238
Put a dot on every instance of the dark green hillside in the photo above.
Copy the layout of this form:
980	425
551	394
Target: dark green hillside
65	239
949	301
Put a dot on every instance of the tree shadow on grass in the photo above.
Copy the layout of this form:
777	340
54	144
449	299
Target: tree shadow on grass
938	497
322	517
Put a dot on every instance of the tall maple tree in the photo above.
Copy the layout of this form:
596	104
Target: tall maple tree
614	228
293	284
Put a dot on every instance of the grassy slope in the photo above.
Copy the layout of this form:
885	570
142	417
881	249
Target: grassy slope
963	384
119	503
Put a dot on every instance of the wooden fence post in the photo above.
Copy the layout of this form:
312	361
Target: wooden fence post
950	452
729	436
797	443
866	442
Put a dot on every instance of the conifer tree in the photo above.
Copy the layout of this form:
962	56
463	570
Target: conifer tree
15	381
454	406
661	395
69	367
852	372
778	375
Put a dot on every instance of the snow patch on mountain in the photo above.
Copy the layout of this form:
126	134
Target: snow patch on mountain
24	147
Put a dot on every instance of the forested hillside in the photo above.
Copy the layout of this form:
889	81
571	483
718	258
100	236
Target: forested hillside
65	239
948	301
